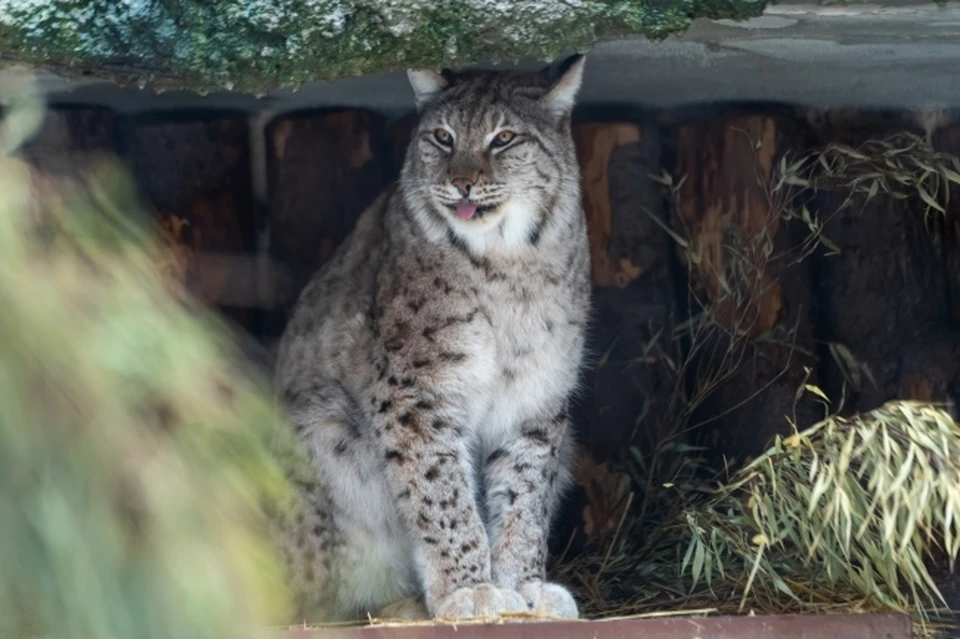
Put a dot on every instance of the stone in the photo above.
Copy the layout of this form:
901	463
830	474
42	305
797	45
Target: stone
254	46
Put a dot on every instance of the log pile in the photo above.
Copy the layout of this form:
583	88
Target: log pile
682	222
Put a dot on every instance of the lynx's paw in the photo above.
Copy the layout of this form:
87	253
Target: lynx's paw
549	599
409	609
482	600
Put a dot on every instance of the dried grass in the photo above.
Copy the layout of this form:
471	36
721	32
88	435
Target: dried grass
902	166
851	509
845	516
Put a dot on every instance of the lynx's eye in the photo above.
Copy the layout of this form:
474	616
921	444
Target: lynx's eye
443	137
503	138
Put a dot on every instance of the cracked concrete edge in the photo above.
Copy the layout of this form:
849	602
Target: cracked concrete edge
254	46
899	55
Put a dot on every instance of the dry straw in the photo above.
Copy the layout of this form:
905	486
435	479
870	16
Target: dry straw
844	516
902	166
852	507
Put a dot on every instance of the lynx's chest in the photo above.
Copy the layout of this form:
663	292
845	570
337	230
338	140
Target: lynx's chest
536	342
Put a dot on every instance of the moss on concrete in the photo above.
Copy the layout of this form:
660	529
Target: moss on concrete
258	45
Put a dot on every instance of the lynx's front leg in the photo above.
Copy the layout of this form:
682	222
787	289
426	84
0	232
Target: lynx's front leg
525	479
427	465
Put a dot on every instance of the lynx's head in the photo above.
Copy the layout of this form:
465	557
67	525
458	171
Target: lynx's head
492	158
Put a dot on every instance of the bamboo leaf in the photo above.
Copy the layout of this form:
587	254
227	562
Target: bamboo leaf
928	199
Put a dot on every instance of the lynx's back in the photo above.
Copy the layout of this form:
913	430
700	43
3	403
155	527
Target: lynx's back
428	366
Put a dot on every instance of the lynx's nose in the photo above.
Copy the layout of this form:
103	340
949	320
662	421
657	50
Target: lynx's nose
463	184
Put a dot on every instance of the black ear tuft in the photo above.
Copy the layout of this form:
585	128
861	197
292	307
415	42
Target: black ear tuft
563	84
450	76
556	70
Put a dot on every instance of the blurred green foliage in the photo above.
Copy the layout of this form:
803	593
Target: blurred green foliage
136	451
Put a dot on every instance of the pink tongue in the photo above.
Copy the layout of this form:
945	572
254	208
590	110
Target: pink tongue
465	210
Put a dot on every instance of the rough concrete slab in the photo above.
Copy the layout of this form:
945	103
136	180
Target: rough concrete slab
904	55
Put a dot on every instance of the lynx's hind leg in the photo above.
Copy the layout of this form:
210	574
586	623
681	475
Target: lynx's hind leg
346	550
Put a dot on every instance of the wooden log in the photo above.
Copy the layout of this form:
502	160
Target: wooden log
929	367
194	171
882	301
633	293
595	145
627	383
70	143
70	139
325	168
948	139
846	126
748	365
952	260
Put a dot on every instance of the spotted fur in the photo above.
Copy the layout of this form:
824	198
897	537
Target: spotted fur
428	366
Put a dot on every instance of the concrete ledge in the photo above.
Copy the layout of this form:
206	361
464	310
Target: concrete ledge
896	56
256	46
872	626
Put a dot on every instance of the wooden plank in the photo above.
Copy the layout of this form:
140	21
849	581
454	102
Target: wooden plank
866	626
194	171
741	259
325	168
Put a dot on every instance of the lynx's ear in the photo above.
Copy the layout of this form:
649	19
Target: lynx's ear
564	81
426	85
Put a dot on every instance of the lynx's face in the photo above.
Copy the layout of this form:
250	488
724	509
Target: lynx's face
492	149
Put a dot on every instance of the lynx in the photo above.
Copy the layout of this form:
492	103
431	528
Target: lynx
428	366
